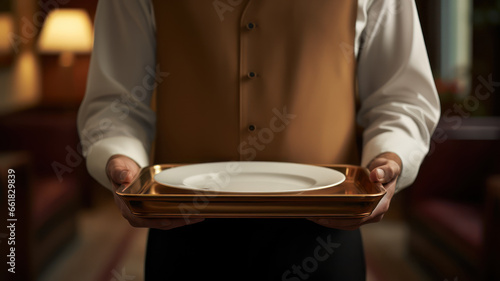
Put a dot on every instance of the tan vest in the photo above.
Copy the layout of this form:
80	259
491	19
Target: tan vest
256	80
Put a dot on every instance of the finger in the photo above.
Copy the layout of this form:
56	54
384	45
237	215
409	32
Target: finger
164	224
375	219
344	224
119	176
159	223
121	164
377	175
122	170
385	173
173	223
351	224
123	176
116	170
348	224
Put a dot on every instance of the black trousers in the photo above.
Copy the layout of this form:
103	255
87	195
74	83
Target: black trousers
254	249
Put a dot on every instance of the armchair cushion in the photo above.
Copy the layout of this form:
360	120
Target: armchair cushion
458	224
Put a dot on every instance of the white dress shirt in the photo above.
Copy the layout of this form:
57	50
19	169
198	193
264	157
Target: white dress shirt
399	103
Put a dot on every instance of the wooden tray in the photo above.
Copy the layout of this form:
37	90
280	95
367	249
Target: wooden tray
354	198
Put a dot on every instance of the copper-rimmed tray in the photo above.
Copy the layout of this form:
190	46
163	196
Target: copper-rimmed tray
356	197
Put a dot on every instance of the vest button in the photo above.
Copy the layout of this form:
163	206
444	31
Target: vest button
250	25
251	128
252	74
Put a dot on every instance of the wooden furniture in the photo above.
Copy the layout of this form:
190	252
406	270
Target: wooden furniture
17	237
40	143
452	208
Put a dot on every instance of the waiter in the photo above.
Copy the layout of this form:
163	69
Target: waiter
269	80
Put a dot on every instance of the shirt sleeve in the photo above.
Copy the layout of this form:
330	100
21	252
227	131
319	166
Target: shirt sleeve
399	102
115	116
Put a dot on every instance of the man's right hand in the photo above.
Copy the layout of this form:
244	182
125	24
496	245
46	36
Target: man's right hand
121	170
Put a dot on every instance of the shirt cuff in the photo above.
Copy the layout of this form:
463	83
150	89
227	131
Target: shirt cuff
411	153
99	153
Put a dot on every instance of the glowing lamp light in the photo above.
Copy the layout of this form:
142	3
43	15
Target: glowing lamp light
6	29
66	32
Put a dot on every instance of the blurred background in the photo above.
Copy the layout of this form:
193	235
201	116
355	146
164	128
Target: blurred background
444	227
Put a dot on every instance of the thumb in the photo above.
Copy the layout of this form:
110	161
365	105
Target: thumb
378	175
120	176
385	173
121	170
385	168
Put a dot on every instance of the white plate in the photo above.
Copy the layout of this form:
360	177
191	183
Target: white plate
250	177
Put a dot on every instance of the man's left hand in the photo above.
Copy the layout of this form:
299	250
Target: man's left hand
384	169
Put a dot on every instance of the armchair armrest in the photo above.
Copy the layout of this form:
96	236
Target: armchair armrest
19	162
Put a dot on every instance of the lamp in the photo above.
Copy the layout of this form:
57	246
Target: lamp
66	32
6	29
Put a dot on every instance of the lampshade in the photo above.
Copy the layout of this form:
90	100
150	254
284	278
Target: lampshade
6	30
66	30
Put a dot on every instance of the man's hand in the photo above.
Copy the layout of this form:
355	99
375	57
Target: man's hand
121	170
384	169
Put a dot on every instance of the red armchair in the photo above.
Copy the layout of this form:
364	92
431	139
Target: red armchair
49	192
453	210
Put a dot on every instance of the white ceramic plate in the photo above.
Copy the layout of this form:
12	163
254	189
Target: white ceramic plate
250	177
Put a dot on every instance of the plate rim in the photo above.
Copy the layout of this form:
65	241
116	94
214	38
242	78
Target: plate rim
333	172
